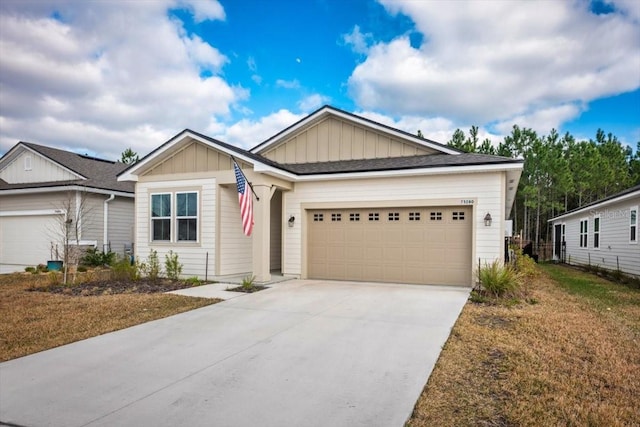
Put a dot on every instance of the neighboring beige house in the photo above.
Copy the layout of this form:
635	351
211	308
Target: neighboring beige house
39	186
604	233
340	197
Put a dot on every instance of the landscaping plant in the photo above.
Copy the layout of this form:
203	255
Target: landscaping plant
172	266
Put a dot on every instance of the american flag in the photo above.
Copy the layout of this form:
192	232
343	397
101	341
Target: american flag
246	201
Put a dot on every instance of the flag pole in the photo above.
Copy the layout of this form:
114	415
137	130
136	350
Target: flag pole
245	178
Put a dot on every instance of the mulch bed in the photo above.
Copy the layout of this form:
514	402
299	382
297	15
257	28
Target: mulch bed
247	289
110	287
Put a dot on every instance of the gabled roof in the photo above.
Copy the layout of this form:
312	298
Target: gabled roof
92	172
328	110
614	198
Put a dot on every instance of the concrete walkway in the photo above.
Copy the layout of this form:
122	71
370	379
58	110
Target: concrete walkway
304	352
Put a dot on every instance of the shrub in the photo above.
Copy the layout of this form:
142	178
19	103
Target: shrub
151	268
95	258
124	270
248	282
498	279
193	281
32	270
42	268
172	266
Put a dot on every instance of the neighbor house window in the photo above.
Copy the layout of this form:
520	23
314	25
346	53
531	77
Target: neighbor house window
633	225
584	228
178	211
161	217
187	216
596	232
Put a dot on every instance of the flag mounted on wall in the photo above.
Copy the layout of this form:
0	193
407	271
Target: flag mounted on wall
245	197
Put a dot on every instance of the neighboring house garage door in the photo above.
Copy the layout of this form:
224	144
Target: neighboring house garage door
423	245
26	240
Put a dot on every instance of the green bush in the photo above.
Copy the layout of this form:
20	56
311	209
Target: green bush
498	279
32	270
150	268
95	258
123	270
172	266
193	281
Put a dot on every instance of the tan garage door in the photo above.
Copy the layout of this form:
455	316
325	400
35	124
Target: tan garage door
403	245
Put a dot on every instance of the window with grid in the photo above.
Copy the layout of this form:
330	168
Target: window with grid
161	217
596	232
318	217
458	216
435	216
584	228
414	216
187	216
354	217
633	225
394	216
336	217
374	216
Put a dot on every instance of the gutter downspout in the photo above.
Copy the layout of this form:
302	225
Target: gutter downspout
105	235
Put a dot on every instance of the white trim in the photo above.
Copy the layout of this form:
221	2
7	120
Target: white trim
34	212
93	243
329	111
598	205
151	217
105	219
64	188
585	233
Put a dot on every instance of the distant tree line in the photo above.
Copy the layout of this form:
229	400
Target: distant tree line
560	173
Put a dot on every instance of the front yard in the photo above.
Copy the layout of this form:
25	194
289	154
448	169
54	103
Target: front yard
571	356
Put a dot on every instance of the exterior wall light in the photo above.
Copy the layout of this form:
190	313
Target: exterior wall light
487	220
292	219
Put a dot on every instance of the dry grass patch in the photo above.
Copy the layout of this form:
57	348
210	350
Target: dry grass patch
36	321
568	360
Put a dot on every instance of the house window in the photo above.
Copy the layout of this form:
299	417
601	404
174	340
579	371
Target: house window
27	163
584	228
394	216
633	225
187	216
596	232
435	216
354	217
161	217
414	216
336	217
374	216
318	217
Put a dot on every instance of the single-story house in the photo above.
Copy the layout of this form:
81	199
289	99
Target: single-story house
338	196
46	193
603	233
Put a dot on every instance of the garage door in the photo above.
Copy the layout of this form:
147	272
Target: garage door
403	245
26	240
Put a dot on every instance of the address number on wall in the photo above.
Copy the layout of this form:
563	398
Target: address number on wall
466	201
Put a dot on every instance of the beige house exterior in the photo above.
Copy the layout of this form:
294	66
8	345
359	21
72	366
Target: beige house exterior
338	196
43	187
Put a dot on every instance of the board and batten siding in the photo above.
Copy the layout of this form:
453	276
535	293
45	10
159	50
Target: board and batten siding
236	249
41	170
615	246
485	189
192	256
334	139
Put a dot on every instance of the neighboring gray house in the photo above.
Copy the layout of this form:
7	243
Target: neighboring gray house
604	233
39	185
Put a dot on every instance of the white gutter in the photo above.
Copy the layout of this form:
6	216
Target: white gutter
34	190
105	234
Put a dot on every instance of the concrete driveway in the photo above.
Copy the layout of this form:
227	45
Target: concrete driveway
305	352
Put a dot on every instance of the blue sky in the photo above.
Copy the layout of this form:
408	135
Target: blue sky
98	77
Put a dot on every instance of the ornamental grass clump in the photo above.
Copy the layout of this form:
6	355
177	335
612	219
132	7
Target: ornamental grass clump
498	280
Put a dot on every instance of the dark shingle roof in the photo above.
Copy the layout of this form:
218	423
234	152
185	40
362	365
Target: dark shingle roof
99	174
396	163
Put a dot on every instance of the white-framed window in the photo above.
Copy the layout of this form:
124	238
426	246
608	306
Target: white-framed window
584	229
174	217
596	232
633	224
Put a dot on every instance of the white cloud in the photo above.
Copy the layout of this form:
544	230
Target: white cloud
543	120
313	102
497	61
288	84
248	133
358	41
103	76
